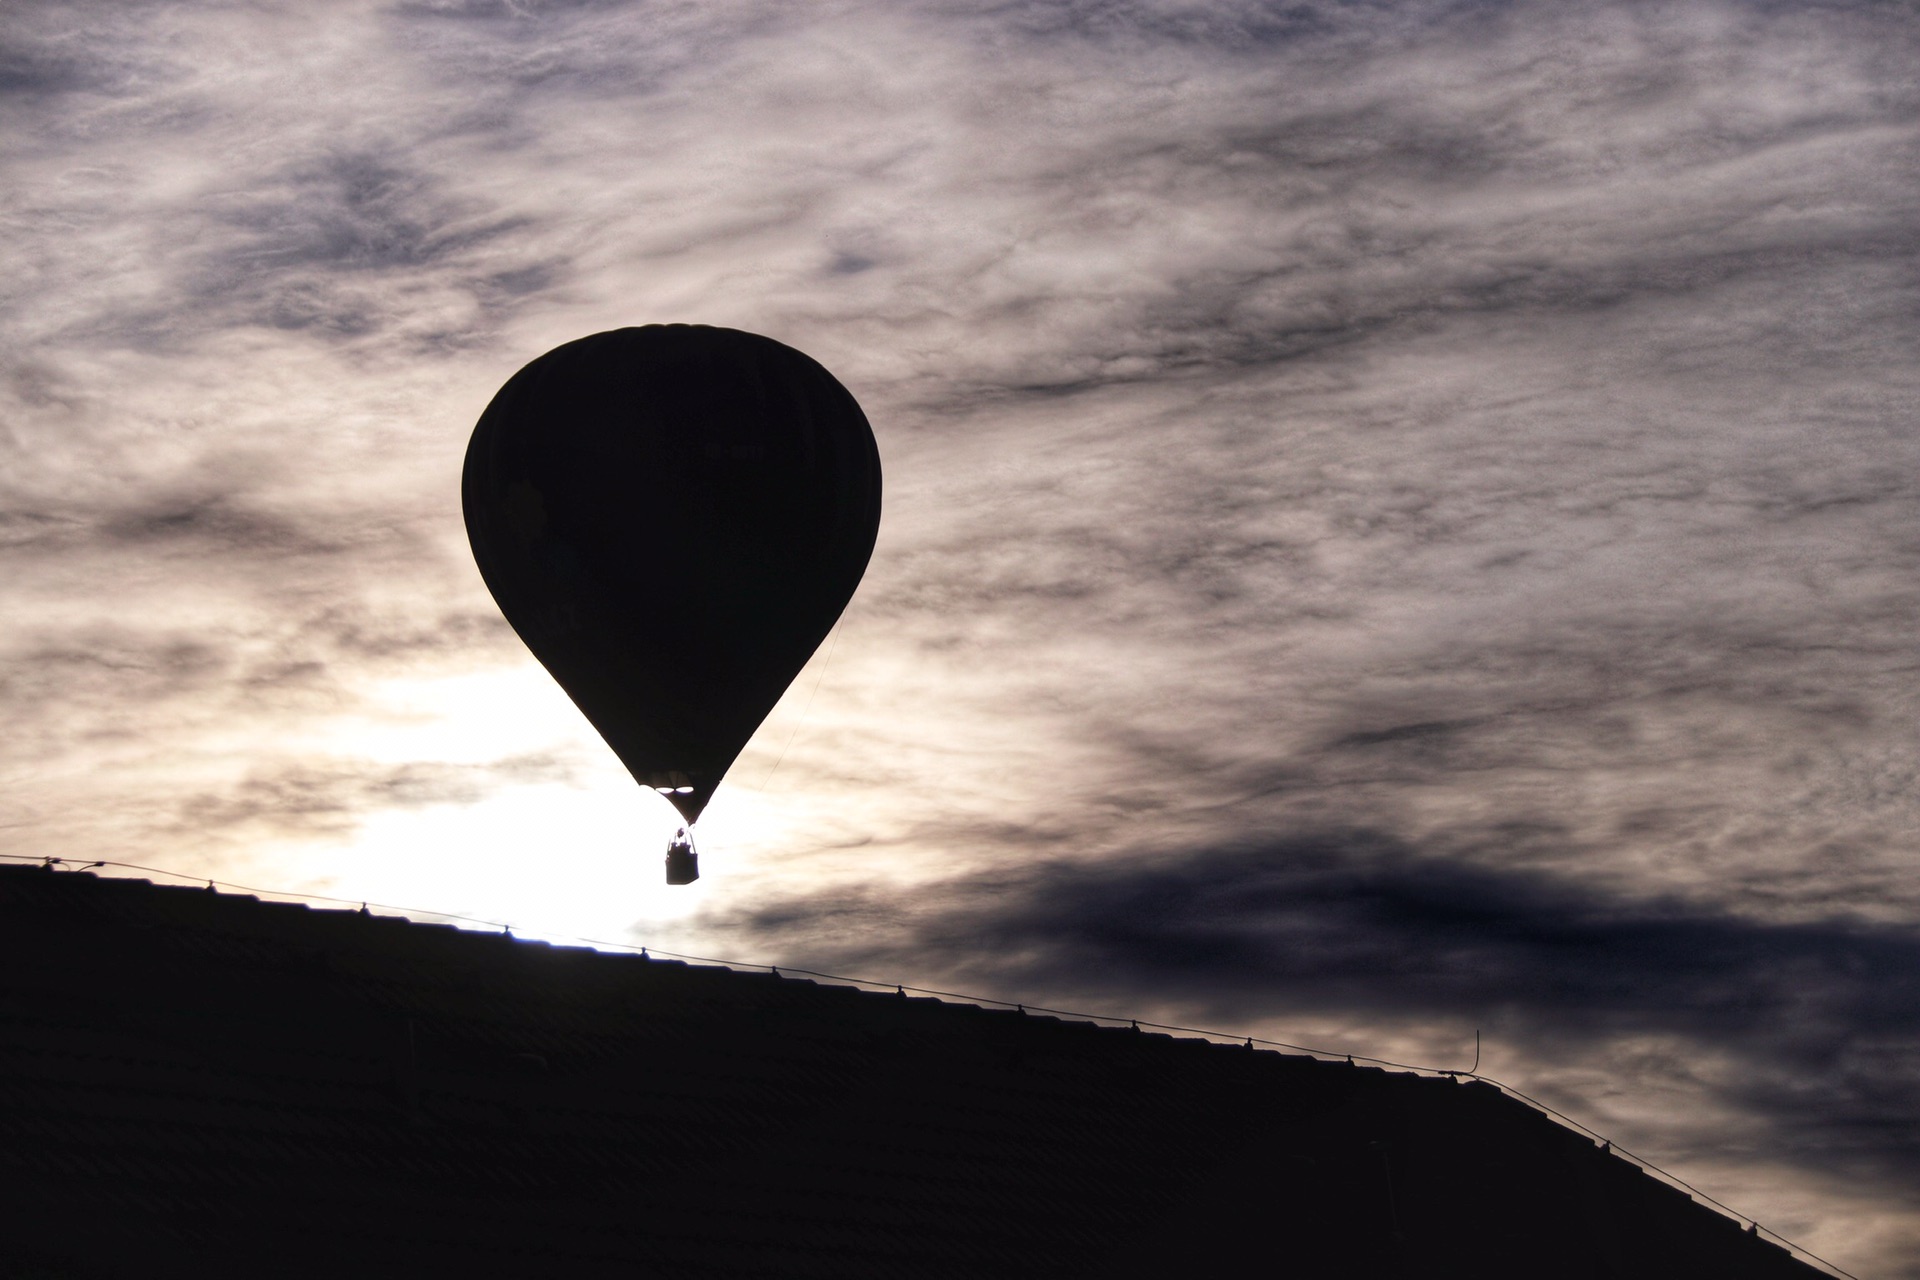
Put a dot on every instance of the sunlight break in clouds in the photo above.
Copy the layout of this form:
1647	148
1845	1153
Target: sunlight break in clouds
1417	489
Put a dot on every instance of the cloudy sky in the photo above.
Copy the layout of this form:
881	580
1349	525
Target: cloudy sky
1400	519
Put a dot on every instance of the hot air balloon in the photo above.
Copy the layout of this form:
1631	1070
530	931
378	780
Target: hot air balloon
672	518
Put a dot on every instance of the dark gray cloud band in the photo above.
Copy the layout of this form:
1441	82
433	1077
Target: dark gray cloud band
1823	1016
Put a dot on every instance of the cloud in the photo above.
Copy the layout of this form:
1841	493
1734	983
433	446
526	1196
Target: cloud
306	799
344	243
1479	433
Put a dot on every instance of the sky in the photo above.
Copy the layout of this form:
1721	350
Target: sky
1400	518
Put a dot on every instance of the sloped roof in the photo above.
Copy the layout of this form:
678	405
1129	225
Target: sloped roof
204	1083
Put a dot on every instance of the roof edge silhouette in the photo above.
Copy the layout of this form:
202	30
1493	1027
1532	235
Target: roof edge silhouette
235	1082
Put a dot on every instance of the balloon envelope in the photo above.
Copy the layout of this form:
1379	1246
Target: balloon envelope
673	517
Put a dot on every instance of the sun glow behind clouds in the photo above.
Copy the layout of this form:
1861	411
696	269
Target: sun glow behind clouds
554	837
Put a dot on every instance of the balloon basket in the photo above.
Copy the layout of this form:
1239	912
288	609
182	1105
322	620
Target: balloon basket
683	864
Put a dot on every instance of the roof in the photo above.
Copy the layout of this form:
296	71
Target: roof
196	1082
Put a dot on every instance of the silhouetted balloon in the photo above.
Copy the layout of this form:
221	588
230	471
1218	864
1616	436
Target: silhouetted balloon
672	517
